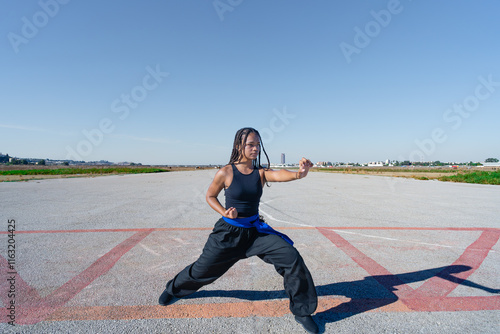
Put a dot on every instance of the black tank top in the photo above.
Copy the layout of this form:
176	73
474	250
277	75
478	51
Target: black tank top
244	192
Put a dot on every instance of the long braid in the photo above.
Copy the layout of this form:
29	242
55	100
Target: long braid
265	153
235	154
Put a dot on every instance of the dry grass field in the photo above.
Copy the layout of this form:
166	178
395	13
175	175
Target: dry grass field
459	174
34	172
29	172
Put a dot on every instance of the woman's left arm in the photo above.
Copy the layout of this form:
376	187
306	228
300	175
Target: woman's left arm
284	175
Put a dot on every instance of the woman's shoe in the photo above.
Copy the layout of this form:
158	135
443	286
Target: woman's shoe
165	298
308	323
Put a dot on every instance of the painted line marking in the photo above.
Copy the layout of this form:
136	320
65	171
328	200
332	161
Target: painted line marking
51	308
114	230
473	257
282	221
39	308
382	275
272	308
305	227
436	288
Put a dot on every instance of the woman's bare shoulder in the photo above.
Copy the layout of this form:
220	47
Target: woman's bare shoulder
224	174
226	170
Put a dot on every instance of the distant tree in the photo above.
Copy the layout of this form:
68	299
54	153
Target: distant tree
491	160
41	162
66	163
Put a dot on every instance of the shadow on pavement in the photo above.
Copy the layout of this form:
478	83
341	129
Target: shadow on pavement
368	294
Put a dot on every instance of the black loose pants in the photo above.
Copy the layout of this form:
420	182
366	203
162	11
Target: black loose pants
227	244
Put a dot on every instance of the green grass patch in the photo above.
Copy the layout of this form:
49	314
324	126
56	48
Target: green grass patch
76	171
474	177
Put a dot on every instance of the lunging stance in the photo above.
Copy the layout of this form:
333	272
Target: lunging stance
240	233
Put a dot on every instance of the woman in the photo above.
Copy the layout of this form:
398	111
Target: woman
240	233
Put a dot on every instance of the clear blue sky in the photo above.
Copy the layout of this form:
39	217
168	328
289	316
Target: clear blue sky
170	82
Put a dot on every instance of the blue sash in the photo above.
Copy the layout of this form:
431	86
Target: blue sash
261	226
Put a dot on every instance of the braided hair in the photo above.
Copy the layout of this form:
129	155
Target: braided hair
240	139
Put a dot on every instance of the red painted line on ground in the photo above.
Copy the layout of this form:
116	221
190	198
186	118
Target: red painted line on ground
453	304
51	308
473	257
431	296
38	309
115	230
382	275
271	308
415	228
281	228
21	292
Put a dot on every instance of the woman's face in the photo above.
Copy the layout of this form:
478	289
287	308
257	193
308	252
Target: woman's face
251	148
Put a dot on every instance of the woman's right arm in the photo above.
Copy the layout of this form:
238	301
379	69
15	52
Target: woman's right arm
213	192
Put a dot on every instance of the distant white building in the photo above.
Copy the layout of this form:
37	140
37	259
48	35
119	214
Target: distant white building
376	164
490	164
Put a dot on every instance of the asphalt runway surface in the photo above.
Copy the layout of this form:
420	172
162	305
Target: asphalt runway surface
388	255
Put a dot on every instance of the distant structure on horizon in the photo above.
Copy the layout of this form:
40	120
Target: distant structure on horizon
282	158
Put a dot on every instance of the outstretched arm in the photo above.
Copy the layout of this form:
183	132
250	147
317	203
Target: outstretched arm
284	175
465	282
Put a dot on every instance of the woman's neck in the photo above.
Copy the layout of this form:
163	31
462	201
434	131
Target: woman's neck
246	164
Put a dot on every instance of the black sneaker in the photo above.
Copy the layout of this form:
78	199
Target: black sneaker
165	298
308	323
